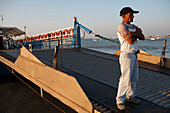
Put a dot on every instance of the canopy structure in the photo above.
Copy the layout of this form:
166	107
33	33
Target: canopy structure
11	31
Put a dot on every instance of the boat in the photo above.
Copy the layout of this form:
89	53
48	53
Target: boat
94	40
152	38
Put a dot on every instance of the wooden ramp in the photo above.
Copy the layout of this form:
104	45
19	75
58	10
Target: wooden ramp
58	84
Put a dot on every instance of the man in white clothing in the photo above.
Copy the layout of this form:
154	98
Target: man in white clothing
128	34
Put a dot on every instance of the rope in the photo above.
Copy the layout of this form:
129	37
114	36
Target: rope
110	40
96	35
83	33
35	90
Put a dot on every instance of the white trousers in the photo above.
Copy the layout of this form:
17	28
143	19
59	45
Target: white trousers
129	76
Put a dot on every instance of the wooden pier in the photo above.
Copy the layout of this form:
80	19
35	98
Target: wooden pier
98	73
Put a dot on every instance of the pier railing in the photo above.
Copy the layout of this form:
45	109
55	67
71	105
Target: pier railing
68	37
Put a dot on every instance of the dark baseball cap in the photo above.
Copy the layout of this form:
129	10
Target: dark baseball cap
126	10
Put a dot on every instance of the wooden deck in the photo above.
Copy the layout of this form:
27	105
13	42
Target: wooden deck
98	75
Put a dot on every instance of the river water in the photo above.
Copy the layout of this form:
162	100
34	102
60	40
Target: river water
153	47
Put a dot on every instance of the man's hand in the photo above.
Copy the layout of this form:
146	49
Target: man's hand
139	34
138	30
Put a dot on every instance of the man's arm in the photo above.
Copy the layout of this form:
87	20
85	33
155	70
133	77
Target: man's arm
130	37
139	34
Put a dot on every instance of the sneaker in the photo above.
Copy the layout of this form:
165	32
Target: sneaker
121	106
133	100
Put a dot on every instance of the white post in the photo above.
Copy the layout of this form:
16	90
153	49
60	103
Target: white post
30	48
41	92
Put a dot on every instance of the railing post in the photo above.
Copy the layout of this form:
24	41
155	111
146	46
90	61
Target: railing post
41	90
163	59
55	57
61	39
49	41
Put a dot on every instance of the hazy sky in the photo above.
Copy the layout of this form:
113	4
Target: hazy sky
101	16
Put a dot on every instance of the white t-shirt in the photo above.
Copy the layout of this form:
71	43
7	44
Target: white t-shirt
121	32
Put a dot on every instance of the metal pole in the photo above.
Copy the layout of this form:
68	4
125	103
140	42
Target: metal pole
2	19
25	36
74	33
25	31
78	37
61	39
49	41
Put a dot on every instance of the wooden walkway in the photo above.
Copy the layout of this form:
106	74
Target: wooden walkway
98	75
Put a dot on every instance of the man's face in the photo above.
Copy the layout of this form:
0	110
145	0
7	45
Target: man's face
128	17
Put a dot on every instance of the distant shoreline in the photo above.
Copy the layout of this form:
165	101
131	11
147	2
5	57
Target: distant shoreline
147	37
159	36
